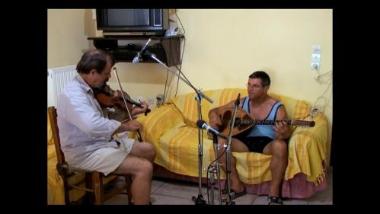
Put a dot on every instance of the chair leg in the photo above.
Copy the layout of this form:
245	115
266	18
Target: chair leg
63	174
128	181
66	191
97	186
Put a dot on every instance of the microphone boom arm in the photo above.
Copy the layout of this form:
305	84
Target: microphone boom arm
137	58
198	92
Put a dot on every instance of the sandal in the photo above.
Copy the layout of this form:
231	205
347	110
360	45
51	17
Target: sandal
273	200
234	194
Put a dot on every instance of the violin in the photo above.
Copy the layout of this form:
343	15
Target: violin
244	121
105	97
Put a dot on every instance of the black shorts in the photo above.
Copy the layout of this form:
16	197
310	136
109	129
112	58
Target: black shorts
255	144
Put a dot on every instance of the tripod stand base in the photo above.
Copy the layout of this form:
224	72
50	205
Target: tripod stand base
199	200
227	201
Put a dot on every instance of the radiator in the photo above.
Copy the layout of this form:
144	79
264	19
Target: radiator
58	78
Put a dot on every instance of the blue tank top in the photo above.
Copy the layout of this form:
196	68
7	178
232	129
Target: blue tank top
262	130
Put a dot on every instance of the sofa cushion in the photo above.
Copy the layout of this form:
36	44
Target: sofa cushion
296	109
187	104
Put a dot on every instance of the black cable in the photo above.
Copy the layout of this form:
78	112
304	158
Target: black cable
218	157
180	22
180	68
166	89
183	50
166	82
183	75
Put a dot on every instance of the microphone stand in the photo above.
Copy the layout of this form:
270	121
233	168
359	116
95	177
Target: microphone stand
199	95
214	174
229	153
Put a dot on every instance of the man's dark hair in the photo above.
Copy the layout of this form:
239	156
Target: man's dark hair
265	80
94	59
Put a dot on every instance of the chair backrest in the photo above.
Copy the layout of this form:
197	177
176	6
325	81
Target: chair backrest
54	128
52	112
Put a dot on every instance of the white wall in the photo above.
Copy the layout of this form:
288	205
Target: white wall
66	40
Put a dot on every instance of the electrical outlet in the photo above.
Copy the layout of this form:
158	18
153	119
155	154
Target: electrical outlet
314	111
316	58
315	66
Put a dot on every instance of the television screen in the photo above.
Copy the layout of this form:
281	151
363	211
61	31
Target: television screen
111	21
128	17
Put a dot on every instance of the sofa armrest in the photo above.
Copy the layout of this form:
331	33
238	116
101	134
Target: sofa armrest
308	150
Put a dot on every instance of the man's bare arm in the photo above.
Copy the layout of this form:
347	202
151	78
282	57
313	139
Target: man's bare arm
283	130
214	114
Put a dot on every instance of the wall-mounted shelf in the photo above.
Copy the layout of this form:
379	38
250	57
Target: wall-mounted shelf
167	49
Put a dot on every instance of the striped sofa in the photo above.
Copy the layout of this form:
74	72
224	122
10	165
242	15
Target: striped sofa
171	128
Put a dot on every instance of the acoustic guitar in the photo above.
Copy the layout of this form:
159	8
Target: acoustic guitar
243	122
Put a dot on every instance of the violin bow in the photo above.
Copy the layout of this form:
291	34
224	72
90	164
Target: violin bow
125	102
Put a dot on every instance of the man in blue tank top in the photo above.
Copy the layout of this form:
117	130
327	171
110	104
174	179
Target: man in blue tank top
266	139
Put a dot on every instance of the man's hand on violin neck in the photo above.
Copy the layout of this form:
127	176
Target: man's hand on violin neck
144	106
139	110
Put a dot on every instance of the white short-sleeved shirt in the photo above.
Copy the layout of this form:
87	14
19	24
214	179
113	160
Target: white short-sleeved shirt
84	131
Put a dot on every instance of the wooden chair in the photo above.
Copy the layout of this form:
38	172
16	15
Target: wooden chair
95	182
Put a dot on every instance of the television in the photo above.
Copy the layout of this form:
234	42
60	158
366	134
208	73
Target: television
115	22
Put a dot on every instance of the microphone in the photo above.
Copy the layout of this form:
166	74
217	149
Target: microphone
137	58
203	125
237	102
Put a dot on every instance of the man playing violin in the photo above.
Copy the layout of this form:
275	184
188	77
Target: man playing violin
93	142
266	139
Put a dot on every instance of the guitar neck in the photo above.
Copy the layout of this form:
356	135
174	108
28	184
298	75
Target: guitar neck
270	122
273	122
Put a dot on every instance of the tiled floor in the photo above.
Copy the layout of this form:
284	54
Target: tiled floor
174	193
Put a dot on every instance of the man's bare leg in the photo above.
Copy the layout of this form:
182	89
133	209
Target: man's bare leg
279	151
141	170
237	146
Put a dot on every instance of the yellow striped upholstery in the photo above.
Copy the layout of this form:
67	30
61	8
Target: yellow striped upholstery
171	129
